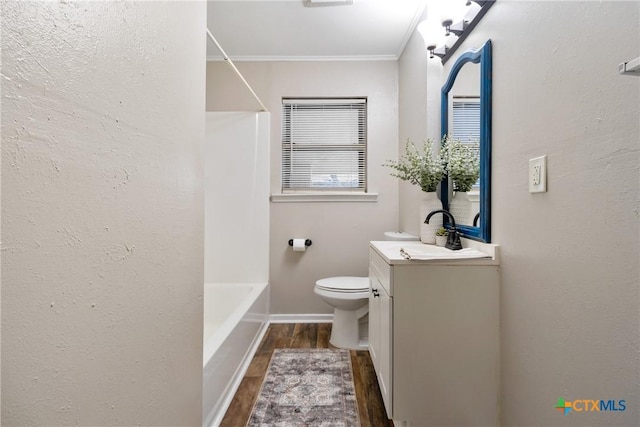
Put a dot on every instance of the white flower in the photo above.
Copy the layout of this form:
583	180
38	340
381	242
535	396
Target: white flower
419	166
461	162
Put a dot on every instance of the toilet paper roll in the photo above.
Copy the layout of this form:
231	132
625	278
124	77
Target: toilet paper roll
298	245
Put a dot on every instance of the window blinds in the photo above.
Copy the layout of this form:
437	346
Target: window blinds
466	119
324	144
466	123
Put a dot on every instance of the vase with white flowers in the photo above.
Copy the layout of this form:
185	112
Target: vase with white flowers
462	165
420	166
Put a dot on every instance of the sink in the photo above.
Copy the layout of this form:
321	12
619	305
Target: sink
429	250
419	252
432	250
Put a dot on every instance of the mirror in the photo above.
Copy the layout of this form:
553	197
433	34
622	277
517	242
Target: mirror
466	115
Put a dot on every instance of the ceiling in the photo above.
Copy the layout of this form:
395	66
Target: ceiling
254	30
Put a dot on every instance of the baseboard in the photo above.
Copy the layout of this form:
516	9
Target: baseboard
232	388
301	318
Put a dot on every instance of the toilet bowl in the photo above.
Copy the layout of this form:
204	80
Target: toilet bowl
349	297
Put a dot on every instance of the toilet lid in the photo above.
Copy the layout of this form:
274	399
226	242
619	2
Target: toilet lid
344	284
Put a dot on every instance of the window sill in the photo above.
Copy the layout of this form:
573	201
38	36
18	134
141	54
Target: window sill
323	197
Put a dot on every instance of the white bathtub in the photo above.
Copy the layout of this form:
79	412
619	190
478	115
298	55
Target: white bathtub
235	319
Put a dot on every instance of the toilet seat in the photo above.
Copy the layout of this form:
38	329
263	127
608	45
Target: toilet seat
344	284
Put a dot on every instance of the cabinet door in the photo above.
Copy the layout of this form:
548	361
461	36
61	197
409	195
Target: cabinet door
374	321
385	353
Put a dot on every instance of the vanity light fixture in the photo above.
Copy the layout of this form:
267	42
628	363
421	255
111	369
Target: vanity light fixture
458	17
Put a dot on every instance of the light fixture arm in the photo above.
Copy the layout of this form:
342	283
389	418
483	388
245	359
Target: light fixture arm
447	26
433	53
458	28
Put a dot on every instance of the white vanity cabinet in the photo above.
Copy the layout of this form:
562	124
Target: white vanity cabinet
380	321
434	336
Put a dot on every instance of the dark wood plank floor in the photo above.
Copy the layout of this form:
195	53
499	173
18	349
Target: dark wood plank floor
306	335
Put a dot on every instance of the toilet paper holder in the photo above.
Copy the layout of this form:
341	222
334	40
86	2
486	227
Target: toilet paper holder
307	242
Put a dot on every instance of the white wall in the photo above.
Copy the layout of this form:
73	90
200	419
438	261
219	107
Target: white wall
1	48
1	56
102	262
570	265
340	231
467	82
236	198
419	117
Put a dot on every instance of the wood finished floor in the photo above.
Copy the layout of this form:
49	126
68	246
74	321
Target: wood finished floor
306	335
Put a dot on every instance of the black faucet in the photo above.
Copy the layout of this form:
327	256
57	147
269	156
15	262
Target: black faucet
475	219
453	238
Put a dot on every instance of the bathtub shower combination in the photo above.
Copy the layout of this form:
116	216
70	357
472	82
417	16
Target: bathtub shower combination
235	318
236	289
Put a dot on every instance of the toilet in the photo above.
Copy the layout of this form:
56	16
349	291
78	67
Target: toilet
349	297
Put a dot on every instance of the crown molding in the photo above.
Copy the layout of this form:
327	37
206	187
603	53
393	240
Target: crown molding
411	29
263	58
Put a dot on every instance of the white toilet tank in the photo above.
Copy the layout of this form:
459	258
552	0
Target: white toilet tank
400	236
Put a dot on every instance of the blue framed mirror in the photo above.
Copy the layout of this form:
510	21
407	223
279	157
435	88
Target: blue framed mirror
466	110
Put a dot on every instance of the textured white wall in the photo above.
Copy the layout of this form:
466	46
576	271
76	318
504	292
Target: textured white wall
1	48
340	231
570	257
102	262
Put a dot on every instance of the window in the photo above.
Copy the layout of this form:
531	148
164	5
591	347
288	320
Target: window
466	123
466	119
324	145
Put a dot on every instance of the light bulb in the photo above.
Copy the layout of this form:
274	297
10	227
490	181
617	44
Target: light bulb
472	11
431	32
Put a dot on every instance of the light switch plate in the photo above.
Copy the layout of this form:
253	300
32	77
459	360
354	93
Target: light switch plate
538	175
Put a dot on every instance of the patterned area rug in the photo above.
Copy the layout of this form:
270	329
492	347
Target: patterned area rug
307	387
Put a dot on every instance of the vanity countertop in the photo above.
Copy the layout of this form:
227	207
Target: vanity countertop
390	252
